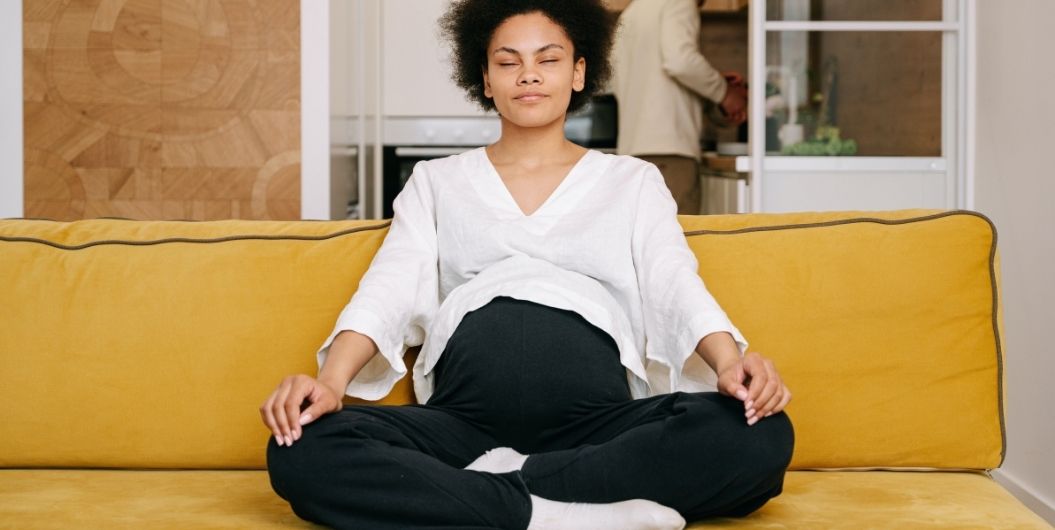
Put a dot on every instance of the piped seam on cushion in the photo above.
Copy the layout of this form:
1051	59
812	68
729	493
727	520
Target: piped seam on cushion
896	469
837	222
82	246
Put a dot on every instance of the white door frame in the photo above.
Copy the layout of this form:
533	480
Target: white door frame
314	109
958	105
11	151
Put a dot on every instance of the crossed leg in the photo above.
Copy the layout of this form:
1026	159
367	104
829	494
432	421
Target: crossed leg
395	468
691	452
402	467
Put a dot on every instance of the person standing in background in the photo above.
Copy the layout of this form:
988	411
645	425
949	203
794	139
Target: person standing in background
659	76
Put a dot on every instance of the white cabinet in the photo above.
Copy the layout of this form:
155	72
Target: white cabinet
415	64
344	55
819	191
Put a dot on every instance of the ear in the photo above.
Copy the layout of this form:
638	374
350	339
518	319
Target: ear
487	83
578	81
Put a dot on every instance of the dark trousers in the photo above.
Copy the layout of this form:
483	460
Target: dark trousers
546	383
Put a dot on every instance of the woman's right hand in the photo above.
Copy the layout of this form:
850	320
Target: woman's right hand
282	411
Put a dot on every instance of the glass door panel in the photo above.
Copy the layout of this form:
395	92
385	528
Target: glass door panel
848	93
861	105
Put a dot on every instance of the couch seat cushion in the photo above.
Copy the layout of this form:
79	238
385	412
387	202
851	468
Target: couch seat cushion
162	499
889	499
243	499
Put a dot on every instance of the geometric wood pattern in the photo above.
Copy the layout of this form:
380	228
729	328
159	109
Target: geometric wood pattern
162	109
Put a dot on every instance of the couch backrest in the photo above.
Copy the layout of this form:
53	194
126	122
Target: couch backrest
885	325
151	344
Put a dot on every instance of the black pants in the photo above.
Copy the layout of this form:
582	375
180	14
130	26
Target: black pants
547	383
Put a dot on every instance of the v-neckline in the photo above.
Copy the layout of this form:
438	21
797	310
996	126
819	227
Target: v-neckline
496	177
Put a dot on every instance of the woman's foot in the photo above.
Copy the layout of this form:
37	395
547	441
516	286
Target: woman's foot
635	514
498	460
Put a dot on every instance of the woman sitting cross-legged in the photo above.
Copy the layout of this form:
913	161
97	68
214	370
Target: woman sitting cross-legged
558	308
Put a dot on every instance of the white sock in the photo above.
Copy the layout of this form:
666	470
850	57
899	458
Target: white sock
635	514
498	460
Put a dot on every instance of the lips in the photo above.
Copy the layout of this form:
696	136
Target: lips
530	96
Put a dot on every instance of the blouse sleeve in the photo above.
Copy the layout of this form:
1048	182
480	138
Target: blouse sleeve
677	309
399	294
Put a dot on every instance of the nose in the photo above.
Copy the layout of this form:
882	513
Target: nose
529	77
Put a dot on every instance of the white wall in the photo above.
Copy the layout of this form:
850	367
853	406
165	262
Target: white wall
1015	186
11	109
315	109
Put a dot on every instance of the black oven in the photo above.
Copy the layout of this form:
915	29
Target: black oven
398	163
596	125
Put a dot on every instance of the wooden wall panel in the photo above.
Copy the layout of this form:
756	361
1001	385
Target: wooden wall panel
162	109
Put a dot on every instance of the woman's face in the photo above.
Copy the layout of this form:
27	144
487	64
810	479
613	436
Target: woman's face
532	70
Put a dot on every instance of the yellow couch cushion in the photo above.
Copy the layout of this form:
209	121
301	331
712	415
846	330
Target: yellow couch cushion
243	499
888	499
159	500
152	344
884	325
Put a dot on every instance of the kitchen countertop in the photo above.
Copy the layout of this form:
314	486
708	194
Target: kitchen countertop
721	166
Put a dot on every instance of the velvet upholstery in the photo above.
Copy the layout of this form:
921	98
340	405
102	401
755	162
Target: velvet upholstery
875	320
178	500
157	341
148	346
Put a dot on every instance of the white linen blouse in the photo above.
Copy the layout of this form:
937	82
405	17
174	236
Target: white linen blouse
606	244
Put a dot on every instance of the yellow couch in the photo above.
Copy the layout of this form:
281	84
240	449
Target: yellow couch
134	355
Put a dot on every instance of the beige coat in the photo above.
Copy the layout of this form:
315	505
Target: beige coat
659	76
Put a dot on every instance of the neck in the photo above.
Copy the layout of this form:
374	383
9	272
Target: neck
532	145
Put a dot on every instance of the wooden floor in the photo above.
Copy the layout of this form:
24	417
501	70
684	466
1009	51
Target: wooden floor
162	109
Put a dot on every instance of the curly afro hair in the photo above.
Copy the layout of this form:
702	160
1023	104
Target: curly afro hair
469	25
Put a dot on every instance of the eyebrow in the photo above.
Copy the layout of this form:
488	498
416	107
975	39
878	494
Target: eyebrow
540	50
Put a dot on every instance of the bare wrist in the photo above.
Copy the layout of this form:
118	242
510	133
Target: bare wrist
333	385
719	351
348	353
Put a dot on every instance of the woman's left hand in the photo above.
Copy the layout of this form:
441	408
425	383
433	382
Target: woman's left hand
755	381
